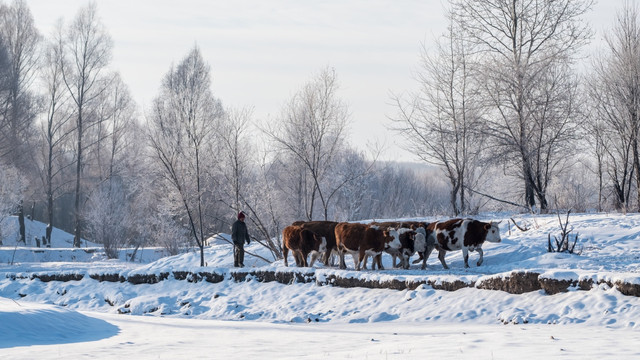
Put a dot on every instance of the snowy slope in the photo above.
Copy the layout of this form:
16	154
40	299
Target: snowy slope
34	228
610	249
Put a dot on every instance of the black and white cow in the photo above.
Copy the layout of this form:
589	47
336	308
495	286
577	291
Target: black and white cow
463	234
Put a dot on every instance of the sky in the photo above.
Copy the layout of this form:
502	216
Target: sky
262	52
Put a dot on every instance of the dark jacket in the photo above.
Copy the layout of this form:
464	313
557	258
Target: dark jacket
239	233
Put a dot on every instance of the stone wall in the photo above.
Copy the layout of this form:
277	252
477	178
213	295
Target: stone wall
513	283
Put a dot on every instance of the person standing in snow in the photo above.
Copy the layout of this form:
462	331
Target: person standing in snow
239	234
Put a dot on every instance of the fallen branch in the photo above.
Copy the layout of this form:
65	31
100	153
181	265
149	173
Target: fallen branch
518	226
496	199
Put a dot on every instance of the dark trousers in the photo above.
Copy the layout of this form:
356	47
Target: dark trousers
238	255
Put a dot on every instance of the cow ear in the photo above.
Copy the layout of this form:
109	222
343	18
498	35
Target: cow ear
487	226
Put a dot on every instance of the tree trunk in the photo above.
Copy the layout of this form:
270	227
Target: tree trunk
636	166
23	238
542	199
600	175
76	207
453	198
619	202
529	193
49	194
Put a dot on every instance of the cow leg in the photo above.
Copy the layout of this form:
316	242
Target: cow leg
326	258
441	257
342	264
362	257
378	259
357	259
425	256
314	256
285	254
405	261
465	256
481	259
304	259
297	257
329	257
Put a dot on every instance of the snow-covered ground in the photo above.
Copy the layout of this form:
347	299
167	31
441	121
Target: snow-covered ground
180	319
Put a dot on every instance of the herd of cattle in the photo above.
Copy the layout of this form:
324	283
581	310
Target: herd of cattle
399	239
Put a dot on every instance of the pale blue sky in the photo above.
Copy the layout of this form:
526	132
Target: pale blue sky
261	52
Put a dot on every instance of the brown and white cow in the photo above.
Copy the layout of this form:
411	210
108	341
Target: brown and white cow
302	242
361	240
418	242
393	251
325	229
430	244
463	234
424	245
405	246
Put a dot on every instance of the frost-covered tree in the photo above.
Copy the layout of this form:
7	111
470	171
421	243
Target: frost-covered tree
615	92
109	212
243	186
312	130
12	187
20	39
236	152
56	127
87	52
441	121
526	50
183	124
400	191
108	216
114	132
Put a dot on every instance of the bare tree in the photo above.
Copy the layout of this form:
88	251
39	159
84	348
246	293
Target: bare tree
312	130
114	132
243	185
4	80
108	216
236	150
55	129
402	191
87	54
12	186
597	142
109	212
182	130
18	112
615	89
441	122
525	49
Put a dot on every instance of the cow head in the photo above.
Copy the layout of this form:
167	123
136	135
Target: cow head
407	235
493	232
392	239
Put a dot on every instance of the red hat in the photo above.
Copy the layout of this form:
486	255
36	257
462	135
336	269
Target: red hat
240	215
